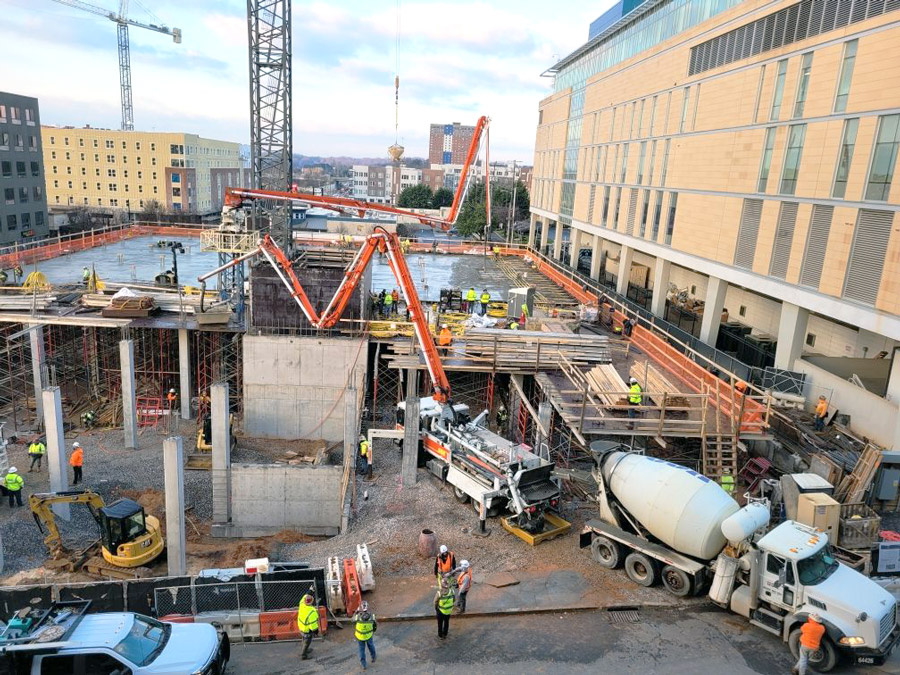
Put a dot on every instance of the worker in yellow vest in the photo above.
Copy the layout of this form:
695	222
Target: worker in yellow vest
485	299
365	453
443	607
365	627
727	481
308	623
36	452
635	397
388	304
14	484
471	297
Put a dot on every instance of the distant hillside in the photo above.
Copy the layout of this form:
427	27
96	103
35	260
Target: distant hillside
301	161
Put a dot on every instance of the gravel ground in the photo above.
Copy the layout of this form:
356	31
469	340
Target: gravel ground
108	468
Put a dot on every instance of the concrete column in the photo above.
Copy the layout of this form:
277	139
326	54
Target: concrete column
545	410
660	287
626	255
221	452
596	257
410	458
184	373
545	234
36	336
351	428
893	383
558	241
129	407
173	469
791	335
712	310
575	236
56	447
532	227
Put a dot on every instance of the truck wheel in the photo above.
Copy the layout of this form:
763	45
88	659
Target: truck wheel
823	660
676	581
461	496
641	569
606	552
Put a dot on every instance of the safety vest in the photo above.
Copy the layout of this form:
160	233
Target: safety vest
388	299
14	482
364	448
307	618
470	295
514	326
728	483
365	626
446	337
524	310
462	577
36	449
85	275
445	566
445	602
485	298
635	394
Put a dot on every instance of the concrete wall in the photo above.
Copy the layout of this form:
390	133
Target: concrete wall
294	386
267	498
870	415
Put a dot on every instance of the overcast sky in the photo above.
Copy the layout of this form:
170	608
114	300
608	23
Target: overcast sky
458	60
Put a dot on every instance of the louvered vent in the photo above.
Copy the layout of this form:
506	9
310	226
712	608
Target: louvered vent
870	238
784	237
747	234
816	245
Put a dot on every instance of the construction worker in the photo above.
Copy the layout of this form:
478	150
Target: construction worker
485	299
36	451
172	398
810	640
404	246
445	338
627	327
727	481
443	607
523	317
502	418
365	627
308	623
821	413
379	303
3	277
85	275
471	297
365	450
396	296
76	461
463	584
635	396
444	563
88	418
18	273
514	325
388	304
14	485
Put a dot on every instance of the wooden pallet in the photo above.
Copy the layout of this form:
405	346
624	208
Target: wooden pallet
854	485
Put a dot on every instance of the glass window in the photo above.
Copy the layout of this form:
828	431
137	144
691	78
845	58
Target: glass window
884	157
3	115
35	169
38	217
624	168
145	641
845	158
37	193
645	210
766	162
652	116
778	94
665	162
6	169
605	213
657	214
9	195
4	139
670	222
803	84
20	169
684	108
640	166
616	207
792	159
846	76
11	223
23	195
652	162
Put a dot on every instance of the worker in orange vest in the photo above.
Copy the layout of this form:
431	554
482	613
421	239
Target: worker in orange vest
445	338
810	640
76	461
172	398
821	413
444	563
463	584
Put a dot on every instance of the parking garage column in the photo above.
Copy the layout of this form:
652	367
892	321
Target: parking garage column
625	257
129	407
184	372
410	458
574	246
532	227
220	419
545	234
660	287
173	470
56	447
791	335
596	257
558	241
36	336
712	310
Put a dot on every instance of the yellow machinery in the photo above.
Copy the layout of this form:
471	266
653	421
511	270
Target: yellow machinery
129	538
201	458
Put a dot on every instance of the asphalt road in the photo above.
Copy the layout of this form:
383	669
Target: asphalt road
693	642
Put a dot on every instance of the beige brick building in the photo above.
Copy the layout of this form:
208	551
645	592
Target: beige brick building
744	153
126	169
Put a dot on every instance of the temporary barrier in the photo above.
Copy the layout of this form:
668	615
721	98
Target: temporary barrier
364	568
333	577
278	625
238	626
352	594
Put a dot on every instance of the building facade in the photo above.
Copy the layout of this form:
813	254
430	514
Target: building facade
126	169
449	143
23	208
742	153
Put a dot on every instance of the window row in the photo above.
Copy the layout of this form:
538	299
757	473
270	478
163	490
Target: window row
10	194
110	159
110	173
17	141
14	114
107	143
6	169
110	202
638	212
24	220
111	187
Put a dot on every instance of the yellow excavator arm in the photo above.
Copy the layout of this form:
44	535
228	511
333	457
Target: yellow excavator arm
42	509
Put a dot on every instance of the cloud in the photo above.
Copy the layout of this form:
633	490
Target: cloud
458	60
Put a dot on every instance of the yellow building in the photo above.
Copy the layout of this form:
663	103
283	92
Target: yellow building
741	155
127	169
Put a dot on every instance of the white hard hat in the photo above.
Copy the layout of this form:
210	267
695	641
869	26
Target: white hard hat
13	469
76	444
443	325
633	380
364	606
464	564
443	549
171	391
816	618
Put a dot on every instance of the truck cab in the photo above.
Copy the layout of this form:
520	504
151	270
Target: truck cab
797	576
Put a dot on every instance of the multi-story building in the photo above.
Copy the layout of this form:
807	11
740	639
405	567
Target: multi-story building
127	169
23	207
449	143
743	152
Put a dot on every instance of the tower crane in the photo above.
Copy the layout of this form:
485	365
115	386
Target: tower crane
122	23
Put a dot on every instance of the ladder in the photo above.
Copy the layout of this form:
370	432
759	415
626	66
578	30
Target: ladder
719	454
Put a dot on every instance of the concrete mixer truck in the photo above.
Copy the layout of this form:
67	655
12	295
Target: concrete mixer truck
666	523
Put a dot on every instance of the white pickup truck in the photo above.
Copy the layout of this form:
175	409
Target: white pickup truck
65	640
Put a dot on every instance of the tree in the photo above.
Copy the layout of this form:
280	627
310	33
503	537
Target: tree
152	210
503	196
442	197
415	197
473	216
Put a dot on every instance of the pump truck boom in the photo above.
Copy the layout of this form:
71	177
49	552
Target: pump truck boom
664	522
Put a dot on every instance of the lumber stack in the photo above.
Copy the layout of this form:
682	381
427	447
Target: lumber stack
607	385
653	380
524	350
25	301
165	302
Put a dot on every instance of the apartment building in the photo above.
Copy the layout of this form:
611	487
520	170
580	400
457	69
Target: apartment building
23	207
743	153
449	143
126	169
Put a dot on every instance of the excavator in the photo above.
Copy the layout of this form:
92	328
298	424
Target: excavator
129	538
